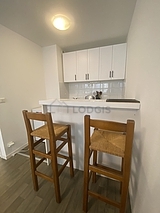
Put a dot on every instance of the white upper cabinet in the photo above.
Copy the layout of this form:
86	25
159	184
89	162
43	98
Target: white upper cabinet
104	63
119	61
82	65
87	64
93	64
70	66
112	62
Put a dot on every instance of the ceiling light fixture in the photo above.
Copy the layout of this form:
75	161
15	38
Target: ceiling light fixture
61	22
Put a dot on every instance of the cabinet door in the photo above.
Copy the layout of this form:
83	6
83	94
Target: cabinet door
93	64
119	61
69	66
82	65
105	63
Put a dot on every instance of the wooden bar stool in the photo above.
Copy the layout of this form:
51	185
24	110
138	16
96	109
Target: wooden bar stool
115	139
52	132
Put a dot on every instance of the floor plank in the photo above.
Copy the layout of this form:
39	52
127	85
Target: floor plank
17	194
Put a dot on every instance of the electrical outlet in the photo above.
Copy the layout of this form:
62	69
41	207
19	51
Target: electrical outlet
11	143
2	100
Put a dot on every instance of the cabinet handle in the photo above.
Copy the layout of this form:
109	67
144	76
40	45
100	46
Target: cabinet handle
86	76
112	73
75	78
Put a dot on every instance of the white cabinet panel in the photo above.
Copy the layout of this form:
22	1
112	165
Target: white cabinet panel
82	65
70	66
105	62
93	64
119	61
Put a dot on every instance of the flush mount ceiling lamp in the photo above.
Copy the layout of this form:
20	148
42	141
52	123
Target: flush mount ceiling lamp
61	22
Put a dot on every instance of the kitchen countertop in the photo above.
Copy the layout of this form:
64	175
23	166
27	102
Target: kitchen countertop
90	103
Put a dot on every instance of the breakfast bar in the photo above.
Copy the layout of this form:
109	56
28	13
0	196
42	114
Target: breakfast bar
72	111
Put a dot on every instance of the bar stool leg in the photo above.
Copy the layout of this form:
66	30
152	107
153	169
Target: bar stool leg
56	179
94	163
86	180
33	165
125	184
70	151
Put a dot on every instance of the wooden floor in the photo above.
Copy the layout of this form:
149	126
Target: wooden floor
17	194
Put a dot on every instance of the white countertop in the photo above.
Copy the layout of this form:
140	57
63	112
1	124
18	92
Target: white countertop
90	103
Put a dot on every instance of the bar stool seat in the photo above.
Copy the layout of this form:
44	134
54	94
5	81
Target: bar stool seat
113	138
52	132
108	142
42	132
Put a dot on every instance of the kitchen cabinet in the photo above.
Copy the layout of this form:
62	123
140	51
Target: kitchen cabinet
75	66
104	63
70	66
87	64
112	62
82	65
118	61
93	64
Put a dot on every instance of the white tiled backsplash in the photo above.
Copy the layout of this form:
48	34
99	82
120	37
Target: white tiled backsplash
110	89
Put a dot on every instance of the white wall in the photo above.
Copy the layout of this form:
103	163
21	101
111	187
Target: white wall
143	83
54	84
21	83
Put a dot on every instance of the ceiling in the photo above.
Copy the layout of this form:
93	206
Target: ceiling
94	22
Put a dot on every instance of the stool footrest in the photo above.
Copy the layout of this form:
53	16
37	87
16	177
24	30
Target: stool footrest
44	176
105	199
109	172
42	154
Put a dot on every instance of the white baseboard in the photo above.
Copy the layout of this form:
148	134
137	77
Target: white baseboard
2	148
3	157
16	151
